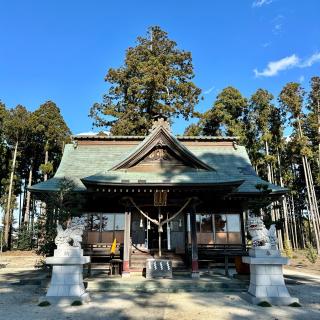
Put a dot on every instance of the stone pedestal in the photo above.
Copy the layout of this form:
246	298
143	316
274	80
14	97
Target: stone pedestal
266	277
67	281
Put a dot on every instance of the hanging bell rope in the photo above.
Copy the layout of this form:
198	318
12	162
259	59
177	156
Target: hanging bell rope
159	223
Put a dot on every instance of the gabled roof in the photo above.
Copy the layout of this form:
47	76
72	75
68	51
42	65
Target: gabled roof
161	137
107	160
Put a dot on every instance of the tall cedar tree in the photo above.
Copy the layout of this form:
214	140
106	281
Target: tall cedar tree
16	126
312	123
4	150
262	108
291	99
226	116
50	134
156	78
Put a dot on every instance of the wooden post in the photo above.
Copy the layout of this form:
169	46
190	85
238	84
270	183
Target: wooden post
226	265
194	245
126	245
159	231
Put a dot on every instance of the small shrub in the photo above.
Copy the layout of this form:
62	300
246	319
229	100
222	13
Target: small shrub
295	305
311	253
44	304
24	239
264	304
76	303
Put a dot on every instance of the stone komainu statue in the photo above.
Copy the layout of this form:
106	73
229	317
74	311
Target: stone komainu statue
72	235
261	236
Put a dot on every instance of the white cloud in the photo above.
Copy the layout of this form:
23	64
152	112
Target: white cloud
274	67
311	60
277	23
277	28
301	79
266	44
293	61
209	90
260	3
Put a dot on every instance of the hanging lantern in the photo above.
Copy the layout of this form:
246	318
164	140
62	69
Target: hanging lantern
141	223
148	225
180	223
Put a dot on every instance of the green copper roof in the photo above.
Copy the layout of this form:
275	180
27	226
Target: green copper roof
231	165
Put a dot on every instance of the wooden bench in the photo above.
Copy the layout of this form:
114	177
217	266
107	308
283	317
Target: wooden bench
209	252
101	250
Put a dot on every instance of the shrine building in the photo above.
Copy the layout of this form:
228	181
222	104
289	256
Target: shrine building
162	194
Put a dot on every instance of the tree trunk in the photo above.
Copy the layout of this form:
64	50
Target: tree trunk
20	205
318	116
313	204
46	159
27	211
295	234
268	164
8	209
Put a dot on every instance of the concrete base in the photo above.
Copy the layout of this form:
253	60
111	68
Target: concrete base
242	277
266	277
275	301
125	274
66	283
195	275
66	301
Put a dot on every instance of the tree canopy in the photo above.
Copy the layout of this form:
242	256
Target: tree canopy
226	115
156	78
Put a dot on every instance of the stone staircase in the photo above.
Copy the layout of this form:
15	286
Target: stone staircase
138	260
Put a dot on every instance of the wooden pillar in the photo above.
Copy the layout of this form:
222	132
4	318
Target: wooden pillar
194	245
126	245
243	228
226	265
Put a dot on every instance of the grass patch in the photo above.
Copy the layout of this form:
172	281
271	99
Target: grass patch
295	305
44	304
76	303
264	304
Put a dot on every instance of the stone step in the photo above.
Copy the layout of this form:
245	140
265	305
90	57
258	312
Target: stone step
165	285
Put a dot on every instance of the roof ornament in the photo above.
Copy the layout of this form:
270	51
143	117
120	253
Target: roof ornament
160	120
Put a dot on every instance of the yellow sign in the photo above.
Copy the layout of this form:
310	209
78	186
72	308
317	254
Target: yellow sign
113	247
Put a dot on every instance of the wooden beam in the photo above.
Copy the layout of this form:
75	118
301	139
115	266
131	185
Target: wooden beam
194	245
126	245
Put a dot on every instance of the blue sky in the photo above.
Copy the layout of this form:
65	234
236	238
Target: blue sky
61	50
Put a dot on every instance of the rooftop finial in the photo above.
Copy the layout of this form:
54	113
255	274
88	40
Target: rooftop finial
160	120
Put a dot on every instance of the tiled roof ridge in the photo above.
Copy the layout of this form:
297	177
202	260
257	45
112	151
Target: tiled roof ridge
140	138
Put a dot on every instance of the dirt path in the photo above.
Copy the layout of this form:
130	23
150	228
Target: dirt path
20	302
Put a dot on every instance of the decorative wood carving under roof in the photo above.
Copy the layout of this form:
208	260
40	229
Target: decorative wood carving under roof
161	145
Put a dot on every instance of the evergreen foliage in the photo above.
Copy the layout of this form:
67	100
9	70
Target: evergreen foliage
156	78
227	114
61	206
311	253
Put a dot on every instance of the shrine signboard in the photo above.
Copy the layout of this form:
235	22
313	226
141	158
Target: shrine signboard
158	268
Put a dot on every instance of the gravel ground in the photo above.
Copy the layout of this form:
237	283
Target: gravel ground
20	302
